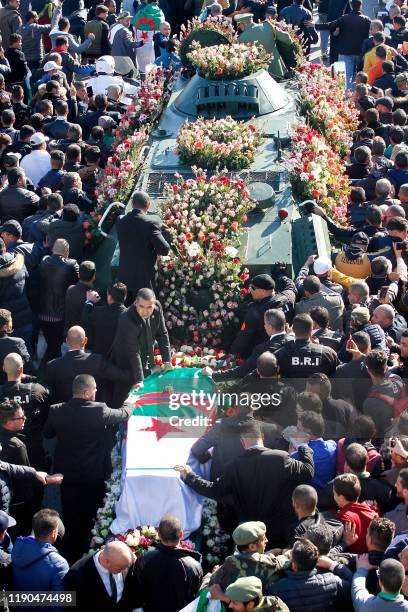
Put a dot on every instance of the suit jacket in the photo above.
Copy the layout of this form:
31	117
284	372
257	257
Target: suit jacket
261	482
60	372
82	448
101	323
127	346
140	242
10	344
57	129
91	594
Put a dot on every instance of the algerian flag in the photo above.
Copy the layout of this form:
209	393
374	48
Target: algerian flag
171	411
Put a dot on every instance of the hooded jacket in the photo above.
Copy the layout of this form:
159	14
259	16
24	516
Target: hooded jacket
37	566
10	20
148	18
13	276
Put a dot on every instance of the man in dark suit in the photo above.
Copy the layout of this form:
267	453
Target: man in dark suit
133	347
76	295
261	482
80	427
274	323
9	344
140	242
58	129
61	372
101	580
101	321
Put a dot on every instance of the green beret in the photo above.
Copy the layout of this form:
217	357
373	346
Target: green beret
244	18
244	589
248	533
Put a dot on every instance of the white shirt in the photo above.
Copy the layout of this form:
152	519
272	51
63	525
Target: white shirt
36	164
104	575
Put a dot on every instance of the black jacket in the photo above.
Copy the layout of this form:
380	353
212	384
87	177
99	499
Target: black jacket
17	203
10	344
140	242
129	351
176	570
83	578
225	440
13	276
354	29
252	330
82	448
101	323
9	472
329	337
57	274
301	358
18	66
60	372
261	482
271	345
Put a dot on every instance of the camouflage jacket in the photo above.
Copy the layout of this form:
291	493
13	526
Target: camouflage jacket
272	604
265	566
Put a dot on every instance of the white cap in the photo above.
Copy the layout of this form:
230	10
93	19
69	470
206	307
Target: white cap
51	66
322	265
38	138
106	64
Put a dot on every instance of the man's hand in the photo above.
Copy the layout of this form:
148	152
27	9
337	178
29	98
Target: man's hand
167	366
45	190
351	347
324	562
42	477
217	593
394	276
398	449
184	470
93	296
137	387
309	261
349	534
1	53
319	211
207	371
91	36
363	562
54	479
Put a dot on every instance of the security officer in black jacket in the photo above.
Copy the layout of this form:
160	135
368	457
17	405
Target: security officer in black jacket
262	289
302	357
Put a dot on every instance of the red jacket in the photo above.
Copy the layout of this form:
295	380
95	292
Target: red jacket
361	515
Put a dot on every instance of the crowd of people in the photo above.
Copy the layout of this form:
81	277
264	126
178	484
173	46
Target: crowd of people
311	483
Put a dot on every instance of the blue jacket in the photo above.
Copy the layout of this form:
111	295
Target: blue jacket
37	566
311	591
324	459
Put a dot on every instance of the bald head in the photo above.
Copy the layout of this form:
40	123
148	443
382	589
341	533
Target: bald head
383	316
114	92
76	337
13	366
61	247
116	557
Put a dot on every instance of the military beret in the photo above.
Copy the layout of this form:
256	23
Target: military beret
263	281
248	533
244	589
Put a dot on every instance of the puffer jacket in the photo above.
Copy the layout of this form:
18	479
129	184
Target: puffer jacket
10	21
310	591
13	276
17	203
57	274
8	472
37	565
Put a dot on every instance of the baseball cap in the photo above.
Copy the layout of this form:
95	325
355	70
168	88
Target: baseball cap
386	101
51	66
263	281
106	122
322	265
38	138
360	239
12	227
244	589
6	521
248	533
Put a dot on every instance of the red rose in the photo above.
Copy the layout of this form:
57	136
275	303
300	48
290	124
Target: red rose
175	188
85	224
220	71
199	145
189	236
173	361
244	291
234	226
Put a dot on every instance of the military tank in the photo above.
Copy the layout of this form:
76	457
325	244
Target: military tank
279	230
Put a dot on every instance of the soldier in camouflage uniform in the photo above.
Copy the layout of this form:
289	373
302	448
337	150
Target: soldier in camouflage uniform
249	560
245	595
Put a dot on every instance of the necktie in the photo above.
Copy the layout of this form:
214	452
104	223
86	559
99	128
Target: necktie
113	587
